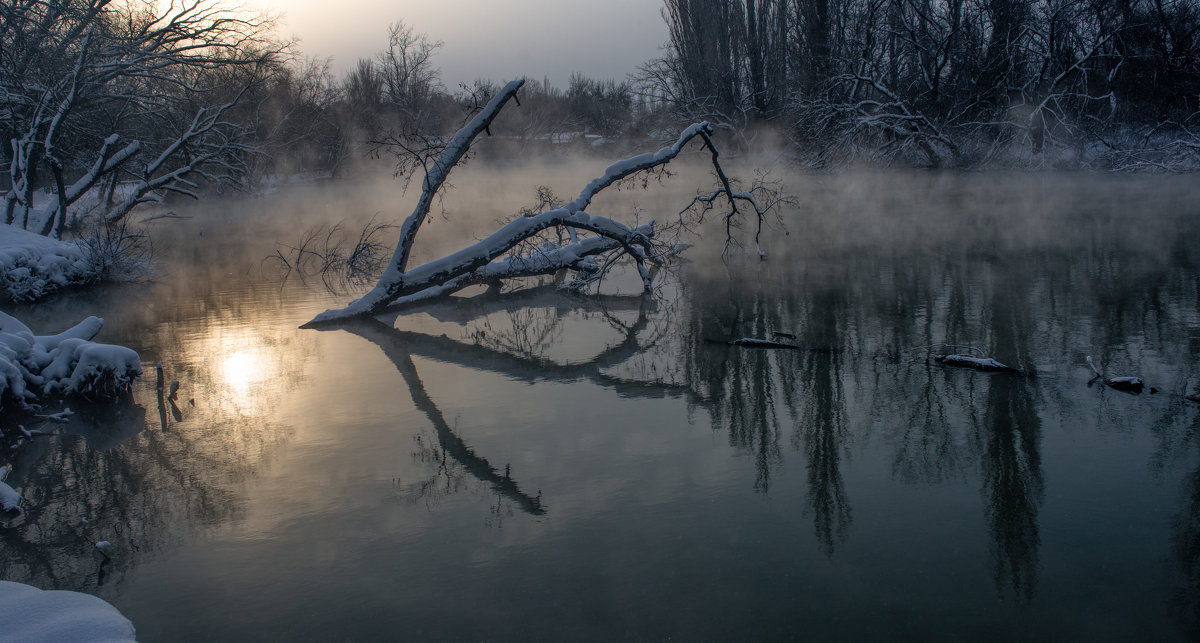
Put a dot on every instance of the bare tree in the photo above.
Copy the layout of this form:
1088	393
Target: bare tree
295	124
408	76
362	90
92	91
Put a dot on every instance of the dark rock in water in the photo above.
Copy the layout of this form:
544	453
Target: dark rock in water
1193	398
978	363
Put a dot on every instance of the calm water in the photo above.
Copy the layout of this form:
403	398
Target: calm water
549	468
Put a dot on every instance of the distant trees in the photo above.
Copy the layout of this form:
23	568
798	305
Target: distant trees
107	105
296	120
937	81
600	106
93	92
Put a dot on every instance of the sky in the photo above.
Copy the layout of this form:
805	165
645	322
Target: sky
497	39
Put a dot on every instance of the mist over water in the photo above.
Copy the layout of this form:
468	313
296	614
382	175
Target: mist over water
544	467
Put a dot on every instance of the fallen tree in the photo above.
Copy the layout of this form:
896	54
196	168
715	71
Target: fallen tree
557	238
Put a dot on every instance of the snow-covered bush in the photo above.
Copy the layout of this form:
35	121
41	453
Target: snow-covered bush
33	267
33	367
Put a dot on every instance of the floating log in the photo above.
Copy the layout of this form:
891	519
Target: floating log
978	363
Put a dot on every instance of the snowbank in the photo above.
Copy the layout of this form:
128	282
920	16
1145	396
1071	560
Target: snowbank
33	615
33	266
68	363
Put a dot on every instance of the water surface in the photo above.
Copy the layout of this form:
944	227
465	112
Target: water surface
542	467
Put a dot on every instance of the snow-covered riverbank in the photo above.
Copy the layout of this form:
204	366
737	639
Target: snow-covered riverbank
31	614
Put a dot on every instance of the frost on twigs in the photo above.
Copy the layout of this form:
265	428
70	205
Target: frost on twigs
557	237
34	367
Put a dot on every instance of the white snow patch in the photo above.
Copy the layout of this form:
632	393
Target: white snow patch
32	615
9	498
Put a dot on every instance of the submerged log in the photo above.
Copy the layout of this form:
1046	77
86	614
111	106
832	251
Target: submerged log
753	342
1125	384
978	363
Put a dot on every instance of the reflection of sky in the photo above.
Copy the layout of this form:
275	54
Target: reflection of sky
505	40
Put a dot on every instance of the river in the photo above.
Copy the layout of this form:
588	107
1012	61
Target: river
545	467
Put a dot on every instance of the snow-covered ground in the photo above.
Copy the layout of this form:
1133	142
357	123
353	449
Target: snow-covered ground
33	615
33	266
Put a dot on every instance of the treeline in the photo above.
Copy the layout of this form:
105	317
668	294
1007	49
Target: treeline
106	105
943	82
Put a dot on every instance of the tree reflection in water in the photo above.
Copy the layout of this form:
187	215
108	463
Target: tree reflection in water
1012	482
517	352
738	387
399	348
1179	445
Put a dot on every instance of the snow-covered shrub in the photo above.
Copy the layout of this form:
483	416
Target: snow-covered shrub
33	267
114	252
68	363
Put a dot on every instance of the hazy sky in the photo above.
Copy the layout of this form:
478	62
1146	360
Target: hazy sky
497	39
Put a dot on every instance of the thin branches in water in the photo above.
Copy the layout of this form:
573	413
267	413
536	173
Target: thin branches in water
338	256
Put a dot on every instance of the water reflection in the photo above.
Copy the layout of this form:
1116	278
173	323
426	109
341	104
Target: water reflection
399	348
862	449
147	482
1178	431
1186	549
506	335
1012	482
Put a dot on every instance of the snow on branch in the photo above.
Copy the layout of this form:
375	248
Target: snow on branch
77	78
485	262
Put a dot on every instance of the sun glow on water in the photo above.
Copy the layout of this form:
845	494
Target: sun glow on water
242	369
